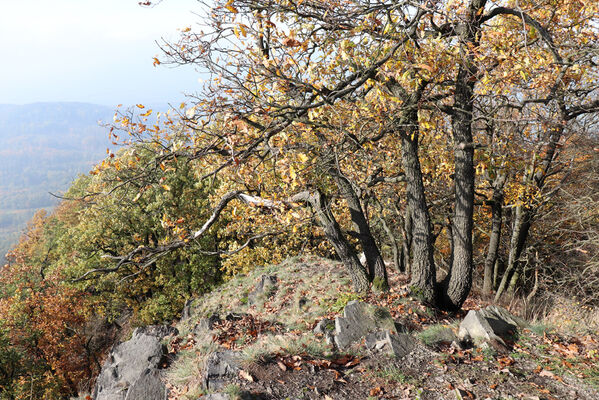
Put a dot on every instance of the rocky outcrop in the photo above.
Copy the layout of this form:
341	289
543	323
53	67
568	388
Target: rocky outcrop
221	366
132	370
489	326
264	289
359	319
398	345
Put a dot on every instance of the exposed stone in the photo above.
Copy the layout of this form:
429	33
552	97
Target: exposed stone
220	367
207	323
235	316
132	366
302	303
398	345
149	386
359	319
489	325
159	331
324	326
266	287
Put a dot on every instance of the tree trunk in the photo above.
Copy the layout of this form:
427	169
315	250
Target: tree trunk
525	214
407	234
333	233
459	280
377	272
423	264
519	235
494	240
395	249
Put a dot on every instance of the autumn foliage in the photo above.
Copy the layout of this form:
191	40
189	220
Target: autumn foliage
456	138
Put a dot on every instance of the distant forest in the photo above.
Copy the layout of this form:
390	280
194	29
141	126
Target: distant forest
43	147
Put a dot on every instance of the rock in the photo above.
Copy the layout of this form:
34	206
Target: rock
488	325
266	287
324	326
235	316
359	319
220	367
148	386
159	331
207	323
302	303
398	345
131	370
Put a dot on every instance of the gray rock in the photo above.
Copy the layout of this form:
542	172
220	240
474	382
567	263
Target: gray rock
266	287
359	319
159	331
135	359
220	367
324	326
488	325
398	345
148	386
207	324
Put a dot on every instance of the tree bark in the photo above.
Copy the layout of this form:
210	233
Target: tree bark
395	249
423	264
520	231
459	280
333	233
377	272
495	238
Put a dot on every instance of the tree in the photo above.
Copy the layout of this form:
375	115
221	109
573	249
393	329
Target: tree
328	88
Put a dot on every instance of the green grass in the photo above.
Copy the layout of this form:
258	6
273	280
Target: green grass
434	334
392	373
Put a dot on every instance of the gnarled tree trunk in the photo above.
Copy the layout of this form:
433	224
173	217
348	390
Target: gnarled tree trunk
321	207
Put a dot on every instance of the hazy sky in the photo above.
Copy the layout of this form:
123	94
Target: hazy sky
97	51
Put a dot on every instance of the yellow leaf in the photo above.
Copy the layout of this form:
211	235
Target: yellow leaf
166	187
303	158
147	113
292	173
140	106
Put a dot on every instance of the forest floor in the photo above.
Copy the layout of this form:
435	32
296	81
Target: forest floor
283	359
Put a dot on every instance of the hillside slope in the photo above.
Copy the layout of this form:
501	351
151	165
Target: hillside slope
254	338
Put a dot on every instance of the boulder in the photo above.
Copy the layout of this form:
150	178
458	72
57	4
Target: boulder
221	366
398	345
265	288
326	327
148	386
359	319
131	371
159	331
489	326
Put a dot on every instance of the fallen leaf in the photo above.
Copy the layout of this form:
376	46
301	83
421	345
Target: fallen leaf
281	365
377	391
246	375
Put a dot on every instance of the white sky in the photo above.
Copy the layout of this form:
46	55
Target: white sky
96	51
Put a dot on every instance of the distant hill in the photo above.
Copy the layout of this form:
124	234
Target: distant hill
43	147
